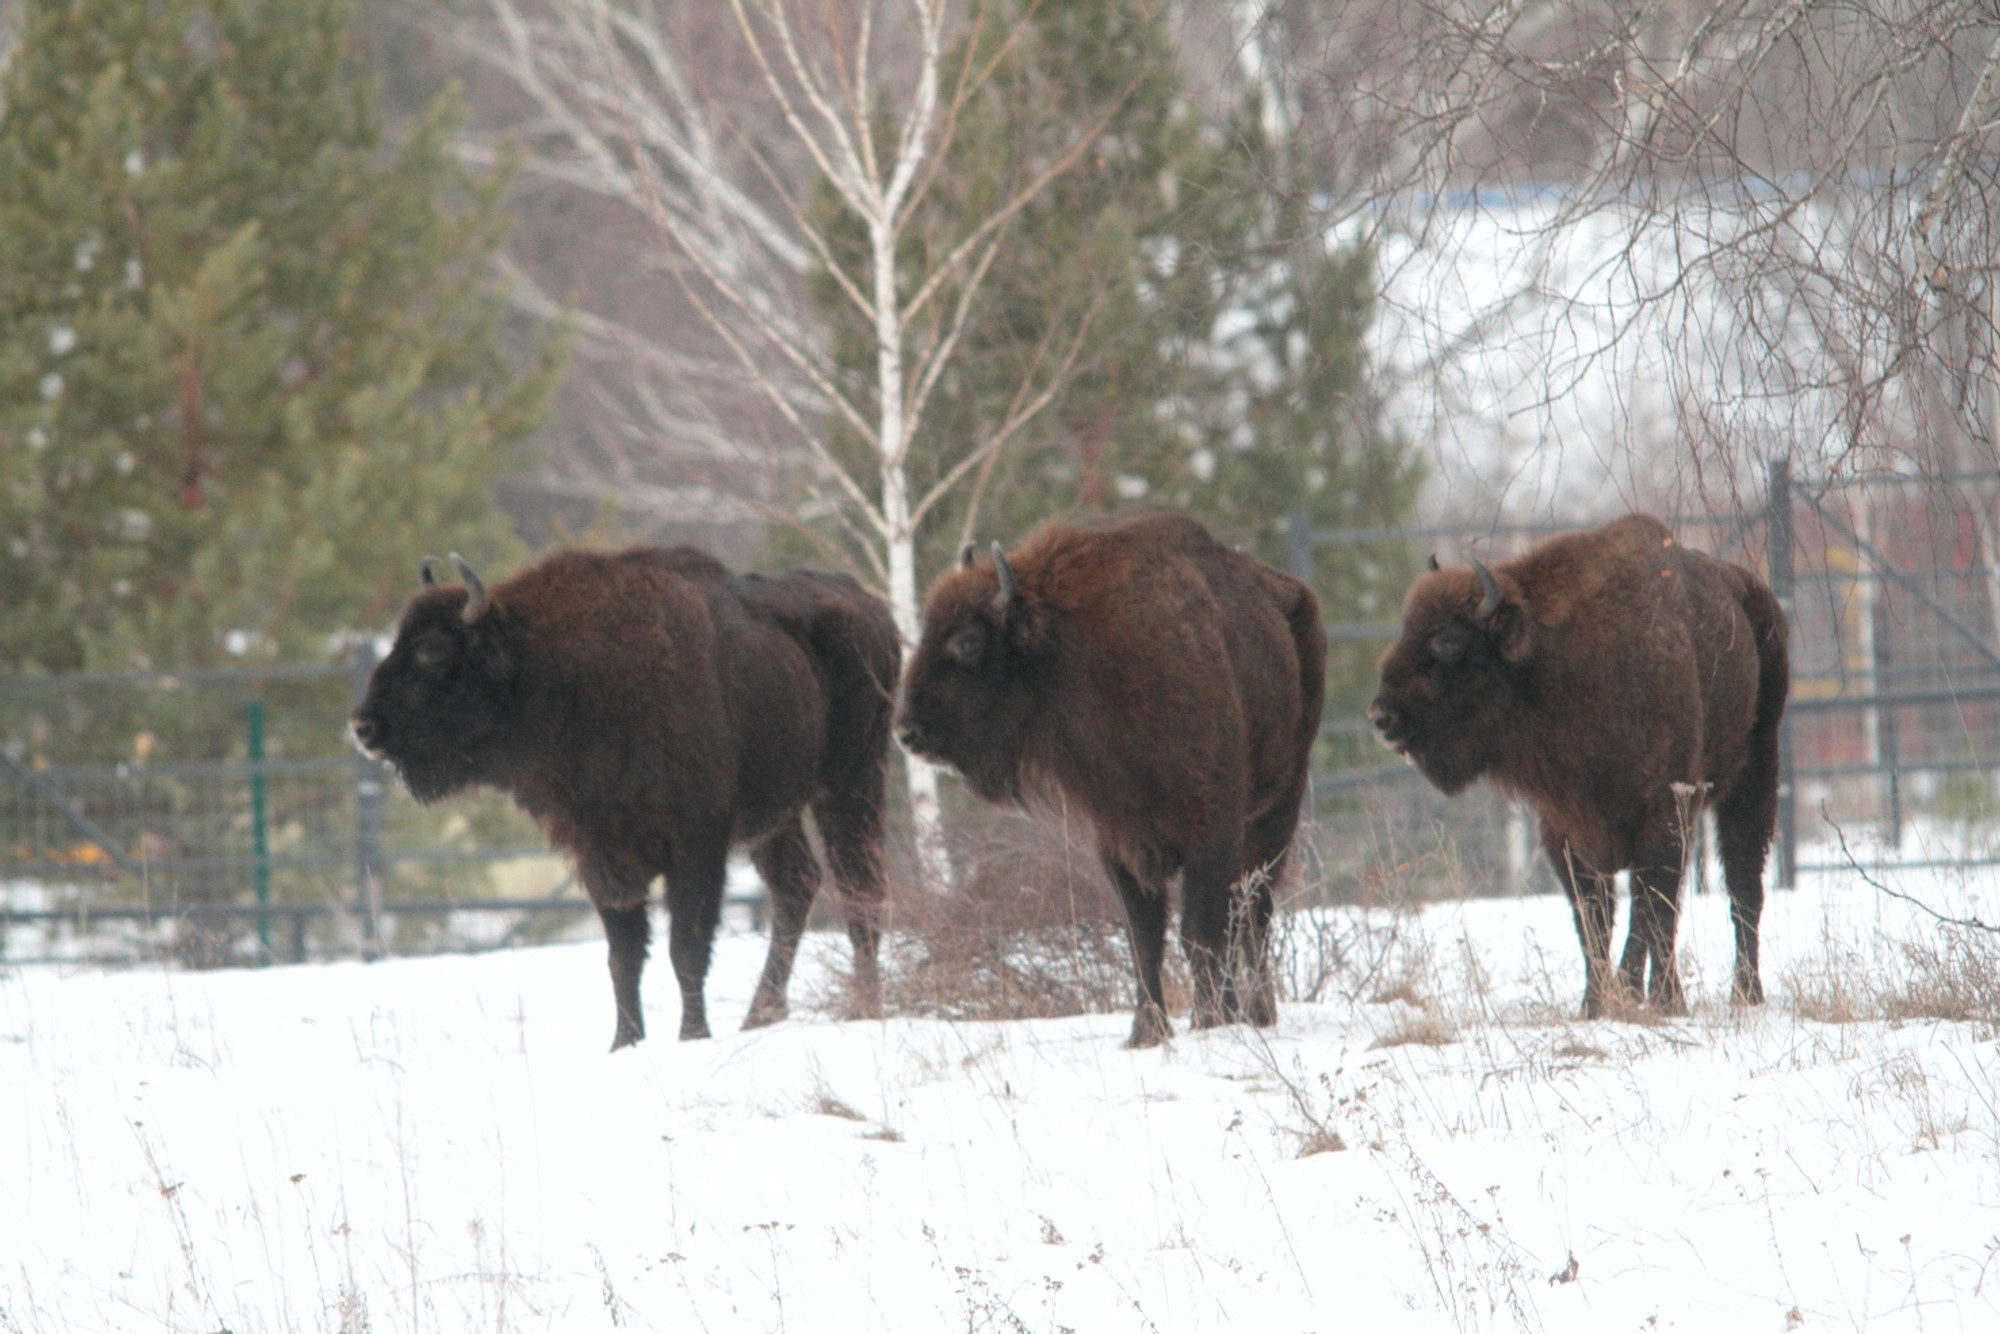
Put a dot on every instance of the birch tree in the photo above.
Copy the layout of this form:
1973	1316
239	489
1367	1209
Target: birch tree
863	92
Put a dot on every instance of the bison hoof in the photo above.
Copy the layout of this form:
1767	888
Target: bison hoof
1259	1011
1149	1028
762	1016
1747	993
626	1037
693	1031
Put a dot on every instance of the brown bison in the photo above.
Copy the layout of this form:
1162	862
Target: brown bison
1618	683
649	709
1167	687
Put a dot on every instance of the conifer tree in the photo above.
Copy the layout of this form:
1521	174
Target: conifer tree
250	355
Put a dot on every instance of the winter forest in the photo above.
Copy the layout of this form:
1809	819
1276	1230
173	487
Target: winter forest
345	772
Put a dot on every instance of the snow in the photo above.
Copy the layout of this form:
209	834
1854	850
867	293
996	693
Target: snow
444	1145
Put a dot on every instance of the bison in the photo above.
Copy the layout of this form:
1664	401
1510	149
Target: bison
1169	689
650	710
1618	683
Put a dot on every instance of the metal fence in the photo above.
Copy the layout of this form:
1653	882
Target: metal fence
219	816
278	842
1891	740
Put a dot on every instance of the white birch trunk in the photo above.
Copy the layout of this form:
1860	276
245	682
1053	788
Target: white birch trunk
926	814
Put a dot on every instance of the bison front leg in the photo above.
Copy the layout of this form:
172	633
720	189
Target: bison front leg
1593	900
1651	959
1146	923
791	873
628	932
694	907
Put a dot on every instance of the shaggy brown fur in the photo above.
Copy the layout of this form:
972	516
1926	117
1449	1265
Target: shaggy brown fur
1618	683
650	709
1167	688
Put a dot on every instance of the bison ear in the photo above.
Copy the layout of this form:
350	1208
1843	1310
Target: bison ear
1431	562
1503	615
1512	633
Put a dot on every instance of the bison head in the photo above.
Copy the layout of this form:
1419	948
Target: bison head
435	704
1450	680
980	671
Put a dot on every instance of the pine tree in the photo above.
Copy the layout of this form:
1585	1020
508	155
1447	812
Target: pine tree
250	356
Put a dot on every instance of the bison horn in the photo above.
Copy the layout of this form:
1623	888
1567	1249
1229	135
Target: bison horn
1431	562
427	572
476	601
1491	602
1006	573
965	555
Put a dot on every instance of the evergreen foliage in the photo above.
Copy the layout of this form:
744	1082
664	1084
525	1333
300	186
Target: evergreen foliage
250	356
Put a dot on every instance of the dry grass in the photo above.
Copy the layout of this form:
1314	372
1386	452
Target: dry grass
1032	931
1419	1029
1952	973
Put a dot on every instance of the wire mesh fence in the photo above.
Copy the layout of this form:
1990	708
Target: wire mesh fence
219	816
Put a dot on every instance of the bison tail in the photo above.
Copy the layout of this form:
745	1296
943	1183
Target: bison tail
1774	670
1309	638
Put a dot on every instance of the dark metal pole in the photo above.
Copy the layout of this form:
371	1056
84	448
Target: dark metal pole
1299	545
260	841
1778	531
368	787
1888	739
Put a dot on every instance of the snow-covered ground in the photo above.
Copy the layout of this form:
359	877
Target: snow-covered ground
445	1145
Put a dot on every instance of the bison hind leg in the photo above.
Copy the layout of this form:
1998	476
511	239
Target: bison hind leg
1211	928
1745	820
1250	992
785	860
850	825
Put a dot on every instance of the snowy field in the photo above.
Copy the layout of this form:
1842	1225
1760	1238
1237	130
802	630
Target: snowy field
445	1145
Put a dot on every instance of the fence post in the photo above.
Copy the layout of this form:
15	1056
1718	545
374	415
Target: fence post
1299	545
260	841
1888	736
367	821
1778	535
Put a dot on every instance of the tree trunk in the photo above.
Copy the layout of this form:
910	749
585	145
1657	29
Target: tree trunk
926	815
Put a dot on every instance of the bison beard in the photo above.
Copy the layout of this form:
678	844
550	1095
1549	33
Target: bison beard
1167	687
1619	684
649	710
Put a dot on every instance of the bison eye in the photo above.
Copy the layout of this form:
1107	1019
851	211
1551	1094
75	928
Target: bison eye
431	657
965	647
1448	646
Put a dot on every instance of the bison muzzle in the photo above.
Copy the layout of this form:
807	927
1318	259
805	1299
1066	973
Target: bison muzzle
1619	684
650	710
